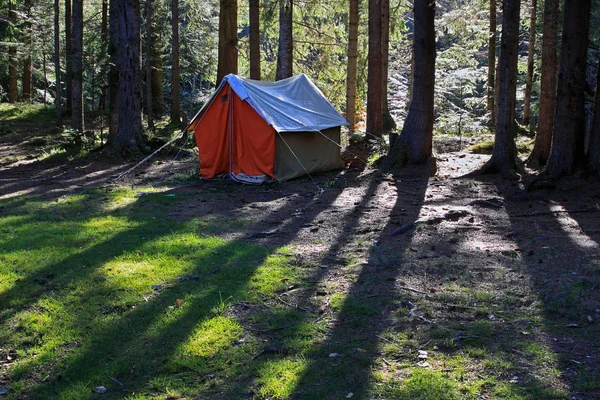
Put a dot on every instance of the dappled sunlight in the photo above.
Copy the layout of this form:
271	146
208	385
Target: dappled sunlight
278	378
573	229
166	286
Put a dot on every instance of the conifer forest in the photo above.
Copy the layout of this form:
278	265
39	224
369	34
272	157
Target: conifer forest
300	199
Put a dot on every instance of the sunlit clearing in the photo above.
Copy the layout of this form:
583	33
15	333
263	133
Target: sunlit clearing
278	378
573	230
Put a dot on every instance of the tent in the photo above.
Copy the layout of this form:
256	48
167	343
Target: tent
254	130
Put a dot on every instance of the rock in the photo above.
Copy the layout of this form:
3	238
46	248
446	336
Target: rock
3	390
101	390
407	304
455	215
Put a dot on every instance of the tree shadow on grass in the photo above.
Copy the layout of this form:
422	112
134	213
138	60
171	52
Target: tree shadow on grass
131	339
341	361
559	253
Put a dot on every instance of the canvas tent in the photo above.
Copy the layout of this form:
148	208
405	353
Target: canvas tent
278	130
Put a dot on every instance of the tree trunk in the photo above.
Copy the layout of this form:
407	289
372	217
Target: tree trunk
543	136
375	71
77	121
156	80
352	63
254	11
285	57
149	45
593	153
530	54
504	157
44	71
104	43
569	120
415	143
13	61
28	31
491	81
128	140
113	74
57	95
175	81
69	53
385	50
228	60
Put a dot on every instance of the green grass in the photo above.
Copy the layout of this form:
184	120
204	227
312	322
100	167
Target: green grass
78	304
106	286
26	112
524	146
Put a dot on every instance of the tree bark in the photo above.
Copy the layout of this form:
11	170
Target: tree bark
228	58
28	31
375	71
254	11
113	73
543	136
57	103
385	50
504	157
149	45
128	140
12	55
175	80
77	121
568	137
417	133
69	53
352	63
156	81
593	153
285	57
104	43
530	54
491	81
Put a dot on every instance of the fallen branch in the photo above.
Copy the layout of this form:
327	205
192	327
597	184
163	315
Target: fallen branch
279	328
413	290
260	235
294	306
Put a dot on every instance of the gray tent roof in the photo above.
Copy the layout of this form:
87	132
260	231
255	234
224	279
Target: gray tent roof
290	105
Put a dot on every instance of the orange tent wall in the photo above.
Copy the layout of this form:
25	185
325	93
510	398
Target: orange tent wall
253	149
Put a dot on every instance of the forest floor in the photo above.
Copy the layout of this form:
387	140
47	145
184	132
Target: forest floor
359	284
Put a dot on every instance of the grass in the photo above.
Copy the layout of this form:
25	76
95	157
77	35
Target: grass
94	286
27	112
101	288
524	146
136	294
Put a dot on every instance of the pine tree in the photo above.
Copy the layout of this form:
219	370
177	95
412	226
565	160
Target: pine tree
375	71
254	14
567	151
175	80
228	57
417	133
543	136
352	62
531	52
77	121
285	57
504	156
